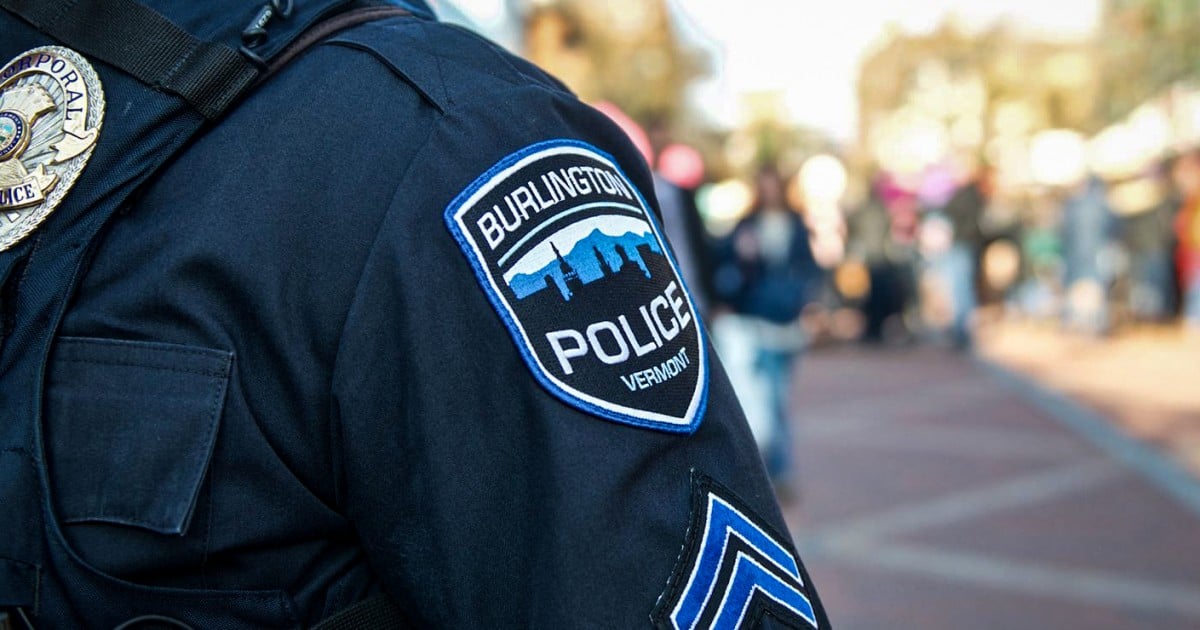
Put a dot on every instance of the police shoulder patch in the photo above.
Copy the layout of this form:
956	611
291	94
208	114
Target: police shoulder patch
572	259
735	570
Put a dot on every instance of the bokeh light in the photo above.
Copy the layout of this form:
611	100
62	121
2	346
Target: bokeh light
852	280
635	132
1057	157
1002	264
722	204
681	165
823	179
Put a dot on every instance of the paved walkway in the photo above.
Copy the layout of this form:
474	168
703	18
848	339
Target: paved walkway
938	491
1147	380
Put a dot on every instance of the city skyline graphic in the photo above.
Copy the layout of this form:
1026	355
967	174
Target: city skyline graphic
573	258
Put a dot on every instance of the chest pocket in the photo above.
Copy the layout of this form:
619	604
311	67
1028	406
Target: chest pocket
130	428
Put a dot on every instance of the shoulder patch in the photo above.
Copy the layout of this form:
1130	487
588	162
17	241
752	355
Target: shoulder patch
571	257
734	571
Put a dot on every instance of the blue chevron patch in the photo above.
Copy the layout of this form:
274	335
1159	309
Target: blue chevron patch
733	572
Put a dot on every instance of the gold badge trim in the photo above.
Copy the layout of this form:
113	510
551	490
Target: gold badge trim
51	111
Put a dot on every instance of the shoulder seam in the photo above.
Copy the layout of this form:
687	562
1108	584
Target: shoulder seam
335	424
382	59
498	54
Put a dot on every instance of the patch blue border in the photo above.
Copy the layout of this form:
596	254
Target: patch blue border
514	331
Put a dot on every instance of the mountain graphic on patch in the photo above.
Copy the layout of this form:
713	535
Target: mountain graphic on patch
597	256
573	261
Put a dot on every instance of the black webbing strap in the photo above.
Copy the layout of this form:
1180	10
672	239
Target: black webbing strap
143	43
377	612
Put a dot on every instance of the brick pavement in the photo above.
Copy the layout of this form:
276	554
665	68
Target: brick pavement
938	492
1147	379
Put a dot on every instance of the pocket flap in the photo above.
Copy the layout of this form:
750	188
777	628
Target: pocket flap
130	428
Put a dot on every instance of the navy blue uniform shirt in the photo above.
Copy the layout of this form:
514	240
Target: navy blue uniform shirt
401	321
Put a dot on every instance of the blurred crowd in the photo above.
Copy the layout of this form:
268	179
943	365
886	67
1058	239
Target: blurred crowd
916	265
915	260
930	168
1096	255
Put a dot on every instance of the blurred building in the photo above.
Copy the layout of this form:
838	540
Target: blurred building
990	94
1146	46
623	51
982	95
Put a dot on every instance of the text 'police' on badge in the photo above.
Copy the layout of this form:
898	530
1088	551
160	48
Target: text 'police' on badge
571	257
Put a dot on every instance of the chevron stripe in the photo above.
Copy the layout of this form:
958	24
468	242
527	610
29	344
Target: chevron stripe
749	579
770	570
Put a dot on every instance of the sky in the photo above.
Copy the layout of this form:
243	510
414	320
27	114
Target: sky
809	50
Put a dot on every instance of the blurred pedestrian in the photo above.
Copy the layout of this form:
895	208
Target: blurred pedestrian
965	211
871	241
1187	232
678	171
947	294
767	274
685	230
1148	237
1087	231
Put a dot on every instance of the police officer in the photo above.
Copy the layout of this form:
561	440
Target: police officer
326	313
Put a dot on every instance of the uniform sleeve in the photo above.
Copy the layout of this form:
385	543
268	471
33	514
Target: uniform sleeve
533	429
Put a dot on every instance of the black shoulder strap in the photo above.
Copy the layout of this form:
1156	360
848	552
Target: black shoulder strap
143	43
377	612
209	76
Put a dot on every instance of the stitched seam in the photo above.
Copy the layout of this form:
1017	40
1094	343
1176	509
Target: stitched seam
203	461
143	523
676	582
179	63
145	366
174	349
170	523
334	431
19	287
521	79
208	527
382	59
437	59
33	251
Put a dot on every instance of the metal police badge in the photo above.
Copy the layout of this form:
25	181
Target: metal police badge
51	108
571	257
